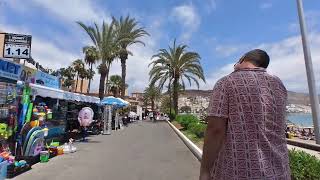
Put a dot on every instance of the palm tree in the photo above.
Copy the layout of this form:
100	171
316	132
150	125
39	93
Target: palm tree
107	47
128	32
83	74
91	57
78	65
115	84
152	93
176	65
67	75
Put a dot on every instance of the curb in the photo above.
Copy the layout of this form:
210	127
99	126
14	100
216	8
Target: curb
314	147
197	152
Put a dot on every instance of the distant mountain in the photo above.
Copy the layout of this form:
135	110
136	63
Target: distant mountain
293	97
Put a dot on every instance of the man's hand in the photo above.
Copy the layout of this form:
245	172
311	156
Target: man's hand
204	176
213	141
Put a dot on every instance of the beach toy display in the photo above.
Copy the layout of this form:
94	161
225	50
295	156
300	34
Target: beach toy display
3	169
3	130
68	147
60	151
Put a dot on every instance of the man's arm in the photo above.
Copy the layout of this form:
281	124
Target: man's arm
213	140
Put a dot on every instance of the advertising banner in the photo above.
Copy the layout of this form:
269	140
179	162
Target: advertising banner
10	70
13	71
28	75
47	80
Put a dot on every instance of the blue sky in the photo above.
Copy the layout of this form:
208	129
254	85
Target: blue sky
219	30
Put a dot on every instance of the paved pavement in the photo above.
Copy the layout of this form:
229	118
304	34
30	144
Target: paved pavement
142	151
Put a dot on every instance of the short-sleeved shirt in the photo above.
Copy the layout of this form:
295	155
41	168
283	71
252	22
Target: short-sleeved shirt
254	103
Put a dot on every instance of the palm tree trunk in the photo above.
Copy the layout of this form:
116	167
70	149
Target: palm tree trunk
123	76
101	85
77	83
81	85
152	104
175	94
107	80
89	84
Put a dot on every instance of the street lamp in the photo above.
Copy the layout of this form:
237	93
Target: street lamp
310	75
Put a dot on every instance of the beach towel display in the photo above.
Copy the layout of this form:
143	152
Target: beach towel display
36	147
25	141
25	103
29	113
35	135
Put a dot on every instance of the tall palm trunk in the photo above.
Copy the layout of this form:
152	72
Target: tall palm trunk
152	104
107	80
77	83
175	94
89	84
123	74
101	84
104	71
81	85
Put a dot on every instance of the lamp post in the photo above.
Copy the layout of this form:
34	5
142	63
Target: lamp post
310	75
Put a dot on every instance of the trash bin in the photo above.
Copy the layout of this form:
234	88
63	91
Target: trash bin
44	156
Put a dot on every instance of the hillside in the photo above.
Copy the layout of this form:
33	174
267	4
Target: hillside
293	97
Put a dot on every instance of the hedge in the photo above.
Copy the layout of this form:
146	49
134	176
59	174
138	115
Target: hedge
303	165
192	124
198	129
186	119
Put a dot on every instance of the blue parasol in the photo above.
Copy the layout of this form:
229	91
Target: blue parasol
110	100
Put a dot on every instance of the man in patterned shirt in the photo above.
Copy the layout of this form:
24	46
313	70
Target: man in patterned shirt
245	137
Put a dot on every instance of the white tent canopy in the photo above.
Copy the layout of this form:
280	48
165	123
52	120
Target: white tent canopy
43	91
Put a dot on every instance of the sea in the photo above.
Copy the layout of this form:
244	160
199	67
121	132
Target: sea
300	119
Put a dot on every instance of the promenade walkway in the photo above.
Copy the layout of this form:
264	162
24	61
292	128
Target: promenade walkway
142	151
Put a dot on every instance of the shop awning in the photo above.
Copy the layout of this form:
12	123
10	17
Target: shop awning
43	91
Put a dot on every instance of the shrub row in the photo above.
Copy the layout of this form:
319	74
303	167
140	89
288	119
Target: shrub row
192	124
303	165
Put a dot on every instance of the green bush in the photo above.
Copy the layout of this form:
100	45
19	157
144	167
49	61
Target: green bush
186	119
171	115
198	129
303	165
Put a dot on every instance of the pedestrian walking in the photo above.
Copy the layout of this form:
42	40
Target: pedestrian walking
245	136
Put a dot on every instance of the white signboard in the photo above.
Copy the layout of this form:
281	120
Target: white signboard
17	46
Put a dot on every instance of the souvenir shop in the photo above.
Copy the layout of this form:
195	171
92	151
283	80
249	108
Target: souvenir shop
33	112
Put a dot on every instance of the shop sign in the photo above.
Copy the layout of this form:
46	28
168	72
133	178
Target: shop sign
10	70
47	80
17	46
15	71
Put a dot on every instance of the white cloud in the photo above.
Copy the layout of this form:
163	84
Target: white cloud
312	19
228	50
266	5
187	16
73	10
286	62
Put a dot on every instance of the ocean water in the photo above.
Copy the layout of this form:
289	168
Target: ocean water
300	119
